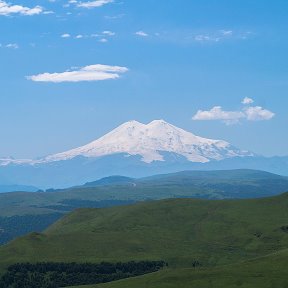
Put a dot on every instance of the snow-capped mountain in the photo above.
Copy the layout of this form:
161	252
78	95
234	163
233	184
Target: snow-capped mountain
135	150
148	141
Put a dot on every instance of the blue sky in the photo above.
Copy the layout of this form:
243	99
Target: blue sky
189	62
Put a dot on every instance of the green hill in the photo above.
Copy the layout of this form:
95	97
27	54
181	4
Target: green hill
179	231
238	243
265	272
118	190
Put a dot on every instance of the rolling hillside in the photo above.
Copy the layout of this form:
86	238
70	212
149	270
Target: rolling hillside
118	190
236	242
178	231
264	272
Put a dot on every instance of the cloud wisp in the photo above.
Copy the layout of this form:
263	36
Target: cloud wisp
65	35
97	72
10	46
247	101
220	35
100	36
249	113
91	4
7	9
206	37
108	33
141	34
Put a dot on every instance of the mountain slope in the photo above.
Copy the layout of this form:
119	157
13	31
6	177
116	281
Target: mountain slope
178	231
264	272
111	180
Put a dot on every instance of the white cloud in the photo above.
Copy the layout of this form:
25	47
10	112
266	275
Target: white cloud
7	9
102	36
216	113
108	33
96	72
257	113
66	35
214	37
12	46
141	33
226	32
250	113
94	4
206	38
48	12
219	36
247	101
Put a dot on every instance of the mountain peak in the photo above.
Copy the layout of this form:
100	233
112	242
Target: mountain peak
132	122
159	122
150	141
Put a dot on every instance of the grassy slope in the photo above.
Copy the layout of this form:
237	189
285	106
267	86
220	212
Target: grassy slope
266	272
205	184
178	231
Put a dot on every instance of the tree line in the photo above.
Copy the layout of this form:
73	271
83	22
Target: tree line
54	275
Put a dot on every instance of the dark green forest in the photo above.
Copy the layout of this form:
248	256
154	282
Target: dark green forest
54	275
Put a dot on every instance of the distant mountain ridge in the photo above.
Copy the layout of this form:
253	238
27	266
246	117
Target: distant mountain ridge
220	184
135	150
111	180
13	188
16	207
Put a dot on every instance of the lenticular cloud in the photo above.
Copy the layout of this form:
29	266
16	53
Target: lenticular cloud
96	72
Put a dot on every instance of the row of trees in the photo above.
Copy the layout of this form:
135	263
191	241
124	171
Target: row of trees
54	275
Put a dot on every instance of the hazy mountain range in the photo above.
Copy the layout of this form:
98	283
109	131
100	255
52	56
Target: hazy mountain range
136	150
24	212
